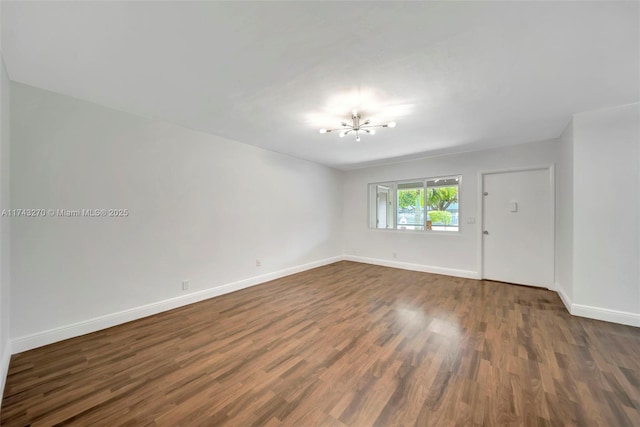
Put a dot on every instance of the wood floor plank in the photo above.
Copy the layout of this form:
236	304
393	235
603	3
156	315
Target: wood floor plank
347	344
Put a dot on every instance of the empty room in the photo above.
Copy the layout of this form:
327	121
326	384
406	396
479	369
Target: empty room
313	213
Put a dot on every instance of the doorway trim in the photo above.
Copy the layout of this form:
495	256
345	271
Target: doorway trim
552	183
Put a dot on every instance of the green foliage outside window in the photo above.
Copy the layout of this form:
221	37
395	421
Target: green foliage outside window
408	198
440	217
440	198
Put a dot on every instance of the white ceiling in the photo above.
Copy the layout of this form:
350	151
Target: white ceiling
454	75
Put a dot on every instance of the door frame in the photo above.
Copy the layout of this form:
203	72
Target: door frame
552	184
388	208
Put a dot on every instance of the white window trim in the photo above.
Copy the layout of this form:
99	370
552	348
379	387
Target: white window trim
393	185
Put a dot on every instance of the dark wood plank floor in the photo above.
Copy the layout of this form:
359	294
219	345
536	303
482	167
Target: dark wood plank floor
346	344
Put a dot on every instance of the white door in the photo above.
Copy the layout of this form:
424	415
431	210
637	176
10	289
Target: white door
382	209
518	227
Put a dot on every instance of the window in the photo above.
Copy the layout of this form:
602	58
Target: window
410	197
429	204
442	204
381	211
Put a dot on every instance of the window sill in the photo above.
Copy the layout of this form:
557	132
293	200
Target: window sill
418	232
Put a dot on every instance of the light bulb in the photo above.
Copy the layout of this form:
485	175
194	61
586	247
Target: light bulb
391	124
358	138
323	131
372	132
343	133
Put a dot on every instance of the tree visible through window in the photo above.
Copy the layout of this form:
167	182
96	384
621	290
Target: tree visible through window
410	215
442	204
421	204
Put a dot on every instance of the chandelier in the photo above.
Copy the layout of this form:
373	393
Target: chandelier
357	126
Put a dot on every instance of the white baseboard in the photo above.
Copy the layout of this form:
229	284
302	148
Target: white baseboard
564	298
467	274
615	316
597	313
5	358
50	336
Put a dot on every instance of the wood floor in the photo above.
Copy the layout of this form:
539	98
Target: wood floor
346	344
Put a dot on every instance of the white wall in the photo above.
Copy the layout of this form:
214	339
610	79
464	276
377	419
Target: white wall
606	188
456	254
5	223
564	215
202	208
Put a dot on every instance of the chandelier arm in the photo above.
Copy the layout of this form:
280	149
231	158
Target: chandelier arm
357	126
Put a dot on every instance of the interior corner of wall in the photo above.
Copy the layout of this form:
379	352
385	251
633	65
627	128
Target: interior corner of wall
5	358
566	299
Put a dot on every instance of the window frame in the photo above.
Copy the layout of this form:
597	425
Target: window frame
393	185
458	179
373	186
395	200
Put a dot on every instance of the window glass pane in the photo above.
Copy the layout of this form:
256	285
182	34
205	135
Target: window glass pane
410	202
442	204
425	204
380	206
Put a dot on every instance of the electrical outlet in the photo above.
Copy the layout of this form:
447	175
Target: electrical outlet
258	263
185	285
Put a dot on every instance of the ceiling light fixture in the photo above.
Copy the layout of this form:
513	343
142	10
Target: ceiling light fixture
357	126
